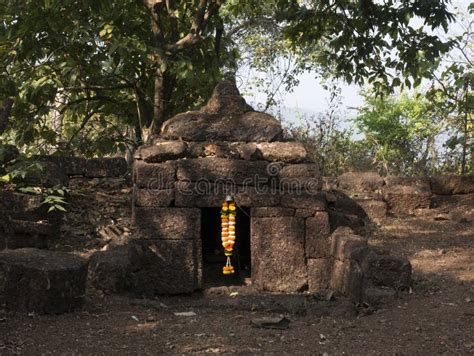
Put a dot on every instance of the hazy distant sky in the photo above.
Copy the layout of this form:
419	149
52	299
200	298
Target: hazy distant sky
310	95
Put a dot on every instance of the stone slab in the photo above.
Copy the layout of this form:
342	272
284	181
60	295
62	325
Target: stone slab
176	266
290	152
452	184
41	281
375	209
345	244
303	170
313	201
319	274
249	151
147	269
360	182
153	198
27	234
106	167
423	183
403	199
204	194
318	231
71	165
304	213
347	278
154	176
161	151
229	150
237	172
270	212
167	223
278	262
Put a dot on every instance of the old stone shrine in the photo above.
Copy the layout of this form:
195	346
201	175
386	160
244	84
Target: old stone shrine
287	241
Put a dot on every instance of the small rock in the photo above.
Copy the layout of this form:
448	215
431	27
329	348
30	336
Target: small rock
190	313
324	295
279	322
150	319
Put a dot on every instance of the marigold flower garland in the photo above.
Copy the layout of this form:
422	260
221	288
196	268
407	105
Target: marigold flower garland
228	214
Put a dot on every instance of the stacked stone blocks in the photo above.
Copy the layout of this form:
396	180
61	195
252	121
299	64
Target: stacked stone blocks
223	148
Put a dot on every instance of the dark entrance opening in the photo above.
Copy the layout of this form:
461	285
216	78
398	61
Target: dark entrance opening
213	252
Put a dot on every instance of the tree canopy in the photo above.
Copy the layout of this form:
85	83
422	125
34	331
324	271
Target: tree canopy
92	76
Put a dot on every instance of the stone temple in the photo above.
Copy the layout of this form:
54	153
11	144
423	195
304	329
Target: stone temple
285	240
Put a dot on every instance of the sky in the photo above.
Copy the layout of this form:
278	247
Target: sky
310	98
310	95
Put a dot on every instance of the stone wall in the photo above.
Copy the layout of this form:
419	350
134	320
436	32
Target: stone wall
377	196
33	279
31	225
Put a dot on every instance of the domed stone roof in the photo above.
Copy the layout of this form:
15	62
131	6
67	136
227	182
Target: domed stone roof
226	117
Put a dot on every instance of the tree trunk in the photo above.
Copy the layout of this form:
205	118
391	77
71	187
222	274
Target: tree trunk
159	102
155	8
465	129
464	144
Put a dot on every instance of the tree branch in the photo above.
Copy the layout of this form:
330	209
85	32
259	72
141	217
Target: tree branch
87	99
202	17
101	87
84	122
198	21
154	8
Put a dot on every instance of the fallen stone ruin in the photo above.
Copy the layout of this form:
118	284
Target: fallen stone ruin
296	232
33	278
356	196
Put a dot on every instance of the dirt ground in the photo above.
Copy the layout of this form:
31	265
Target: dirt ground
437	317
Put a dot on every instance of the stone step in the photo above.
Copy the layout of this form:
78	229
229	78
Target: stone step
26	234
41	281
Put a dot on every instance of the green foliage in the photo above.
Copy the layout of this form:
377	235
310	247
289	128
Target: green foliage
62	73
333	148
20	170
327	142
401	131
452	92
370	41
358	41
84	74
54	198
